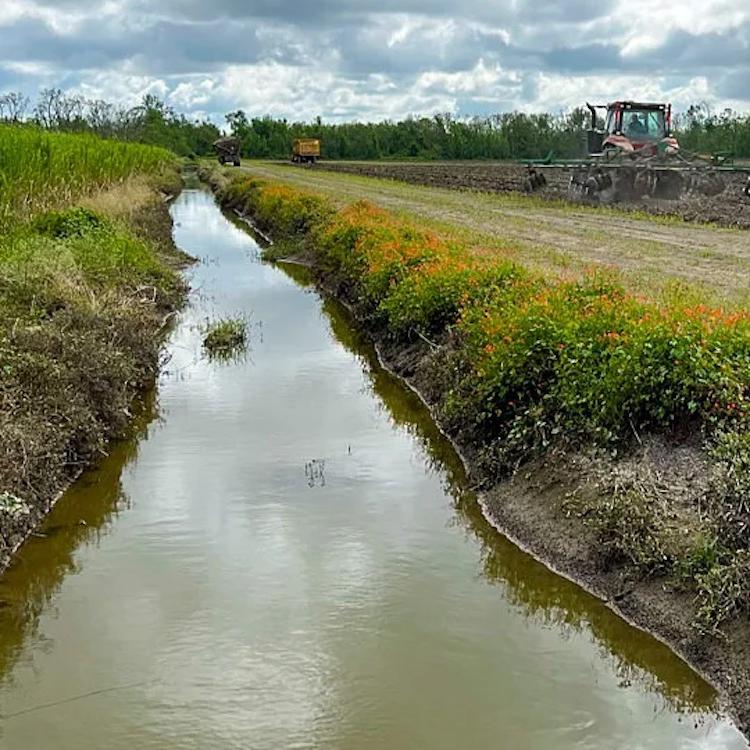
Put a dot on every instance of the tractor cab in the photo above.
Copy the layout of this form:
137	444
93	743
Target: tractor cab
631	126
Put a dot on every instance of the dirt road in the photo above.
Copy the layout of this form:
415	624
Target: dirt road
652	251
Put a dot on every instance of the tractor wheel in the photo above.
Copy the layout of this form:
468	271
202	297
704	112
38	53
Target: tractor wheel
236	162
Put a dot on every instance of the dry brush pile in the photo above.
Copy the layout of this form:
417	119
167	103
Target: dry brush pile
524	364
83	295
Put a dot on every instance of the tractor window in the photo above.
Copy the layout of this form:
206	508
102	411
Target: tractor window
610	126
643	124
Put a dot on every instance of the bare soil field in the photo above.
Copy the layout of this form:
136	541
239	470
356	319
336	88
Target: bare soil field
731	208
654	252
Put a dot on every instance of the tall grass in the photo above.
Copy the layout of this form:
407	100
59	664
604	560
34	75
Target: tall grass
41	170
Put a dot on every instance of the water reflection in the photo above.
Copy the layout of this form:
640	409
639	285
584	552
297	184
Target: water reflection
537	593
82	517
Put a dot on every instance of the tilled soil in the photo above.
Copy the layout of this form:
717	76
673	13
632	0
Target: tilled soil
730	209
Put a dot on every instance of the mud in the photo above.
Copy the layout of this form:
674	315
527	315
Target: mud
730	209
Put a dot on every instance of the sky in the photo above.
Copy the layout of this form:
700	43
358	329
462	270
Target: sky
379	59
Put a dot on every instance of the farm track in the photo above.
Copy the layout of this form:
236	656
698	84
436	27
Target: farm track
653	252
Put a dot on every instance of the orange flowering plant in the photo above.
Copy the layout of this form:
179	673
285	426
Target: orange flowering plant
532	359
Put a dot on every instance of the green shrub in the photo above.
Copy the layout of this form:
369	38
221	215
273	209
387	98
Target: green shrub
724	591
73	222
431	299
588	359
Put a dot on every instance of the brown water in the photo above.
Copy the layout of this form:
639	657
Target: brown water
204	589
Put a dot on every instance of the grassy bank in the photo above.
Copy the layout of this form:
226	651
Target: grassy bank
87	276
643	399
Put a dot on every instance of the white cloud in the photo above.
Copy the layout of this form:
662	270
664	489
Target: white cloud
127	90
650	24
387	59
191	95
482	80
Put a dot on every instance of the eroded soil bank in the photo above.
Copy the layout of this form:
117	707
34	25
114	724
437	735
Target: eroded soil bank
536	508
86	297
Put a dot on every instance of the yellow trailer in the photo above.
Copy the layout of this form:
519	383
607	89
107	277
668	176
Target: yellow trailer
305	150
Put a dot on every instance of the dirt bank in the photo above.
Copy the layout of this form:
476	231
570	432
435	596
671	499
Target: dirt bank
86	295
539	507
533	509
730	209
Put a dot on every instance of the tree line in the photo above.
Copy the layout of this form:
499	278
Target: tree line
511	135
152	121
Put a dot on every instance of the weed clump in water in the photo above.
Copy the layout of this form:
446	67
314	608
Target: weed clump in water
225	337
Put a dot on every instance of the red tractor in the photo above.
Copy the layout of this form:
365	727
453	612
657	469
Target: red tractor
633	154
631	127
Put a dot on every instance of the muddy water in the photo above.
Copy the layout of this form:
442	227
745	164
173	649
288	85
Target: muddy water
284	556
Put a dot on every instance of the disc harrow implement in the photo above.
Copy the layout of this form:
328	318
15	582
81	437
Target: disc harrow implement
635	156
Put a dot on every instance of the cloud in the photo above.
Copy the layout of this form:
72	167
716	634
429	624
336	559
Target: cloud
368	59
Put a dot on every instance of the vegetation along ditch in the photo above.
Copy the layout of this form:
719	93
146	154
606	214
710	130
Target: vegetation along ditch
606	428
88	279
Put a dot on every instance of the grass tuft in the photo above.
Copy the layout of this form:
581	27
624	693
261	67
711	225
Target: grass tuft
225	337
724	591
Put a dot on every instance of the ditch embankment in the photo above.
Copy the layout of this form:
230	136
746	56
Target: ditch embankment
89	279
605	430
